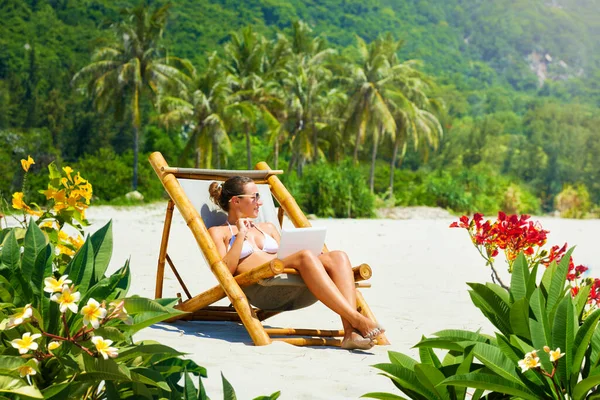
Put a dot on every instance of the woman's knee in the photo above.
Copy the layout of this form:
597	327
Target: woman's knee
340	257
305	259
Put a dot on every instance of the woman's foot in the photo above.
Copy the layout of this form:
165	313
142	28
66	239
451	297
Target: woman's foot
369	329
355	341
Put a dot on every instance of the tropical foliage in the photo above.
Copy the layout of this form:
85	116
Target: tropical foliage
547	338
66	327
426	87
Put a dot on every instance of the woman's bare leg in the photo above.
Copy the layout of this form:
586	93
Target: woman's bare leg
322	285
339	269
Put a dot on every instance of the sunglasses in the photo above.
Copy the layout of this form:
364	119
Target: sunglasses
255	196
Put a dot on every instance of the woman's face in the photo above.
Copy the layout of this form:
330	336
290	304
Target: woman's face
249	202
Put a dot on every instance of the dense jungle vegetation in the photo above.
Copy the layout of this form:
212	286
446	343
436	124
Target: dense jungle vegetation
469	105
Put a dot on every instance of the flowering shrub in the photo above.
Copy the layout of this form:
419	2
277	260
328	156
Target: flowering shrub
547	343
66	329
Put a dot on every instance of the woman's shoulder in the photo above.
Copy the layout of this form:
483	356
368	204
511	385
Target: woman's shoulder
217	229
266	226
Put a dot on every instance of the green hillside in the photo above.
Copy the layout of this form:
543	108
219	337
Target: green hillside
518	81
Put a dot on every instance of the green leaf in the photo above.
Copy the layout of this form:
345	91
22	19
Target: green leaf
228	392
272	396
538	306
440	343
55	390
462	335
102	242
383	396
563	336
402	360
478	380
581	343
519	318
492	305
406	380
493	358
10	255
430	377
428	357
557	284
519	278
189	391
142	348
18	386
81	267
539	341
584	386
35	241
41	270
464	368
581	299
146	312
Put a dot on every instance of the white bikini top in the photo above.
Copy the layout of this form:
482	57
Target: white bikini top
269	246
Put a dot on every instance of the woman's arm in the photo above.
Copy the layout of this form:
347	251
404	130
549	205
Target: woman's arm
231	258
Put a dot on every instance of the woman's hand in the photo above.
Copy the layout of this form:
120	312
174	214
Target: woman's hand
244	225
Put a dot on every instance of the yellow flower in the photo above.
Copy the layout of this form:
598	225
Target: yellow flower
68	170
52	285
17	201
20	317
26	370
103	347
49	193
66	299
76	241
49	224
62	235
27	163
53	345
555	354
93	313
26	342
62	249
530	361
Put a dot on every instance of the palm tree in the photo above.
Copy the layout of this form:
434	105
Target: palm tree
201	108
307	83
368	109
254	93
121	75
412	108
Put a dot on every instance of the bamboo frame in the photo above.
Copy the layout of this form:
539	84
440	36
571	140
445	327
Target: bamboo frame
199	306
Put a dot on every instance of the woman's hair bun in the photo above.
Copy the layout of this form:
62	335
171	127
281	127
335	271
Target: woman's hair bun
215	190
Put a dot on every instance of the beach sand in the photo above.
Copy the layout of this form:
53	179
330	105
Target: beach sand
420	269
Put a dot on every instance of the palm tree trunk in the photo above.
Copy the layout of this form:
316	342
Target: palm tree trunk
393	167
276	151
315	143
373	158
248	149
217	155
356	150
136	144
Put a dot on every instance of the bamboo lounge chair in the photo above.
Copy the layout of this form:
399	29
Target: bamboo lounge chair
257	294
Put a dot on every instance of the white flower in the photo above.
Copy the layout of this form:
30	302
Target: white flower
20	317
53	345
555	354
92	313
26	370
52	285
530	361
66	299
26	342
103	347
120	312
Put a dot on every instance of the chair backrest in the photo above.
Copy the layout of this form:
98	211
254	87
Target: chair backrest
212	215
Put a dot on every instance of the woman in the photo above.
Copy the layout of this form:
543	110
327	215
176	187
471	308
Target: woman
245	245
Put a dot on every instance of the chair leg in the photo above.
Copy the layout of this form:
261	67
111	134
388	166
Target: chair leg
162	255
364	309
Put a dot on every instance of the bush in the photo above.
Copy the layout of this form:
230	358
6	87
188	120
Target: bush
464	190
573	202
547	339
112	175
332	191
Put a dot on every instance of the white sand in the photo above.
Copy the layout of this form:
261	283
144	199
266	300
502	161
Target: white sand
419	272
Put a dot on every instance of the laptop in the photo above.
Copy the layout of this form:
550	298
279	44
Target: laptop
296	239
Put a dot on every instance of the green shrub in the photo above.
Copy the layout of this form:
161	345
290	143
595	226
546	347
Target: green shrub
547	341
573	202
112	174
332	191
